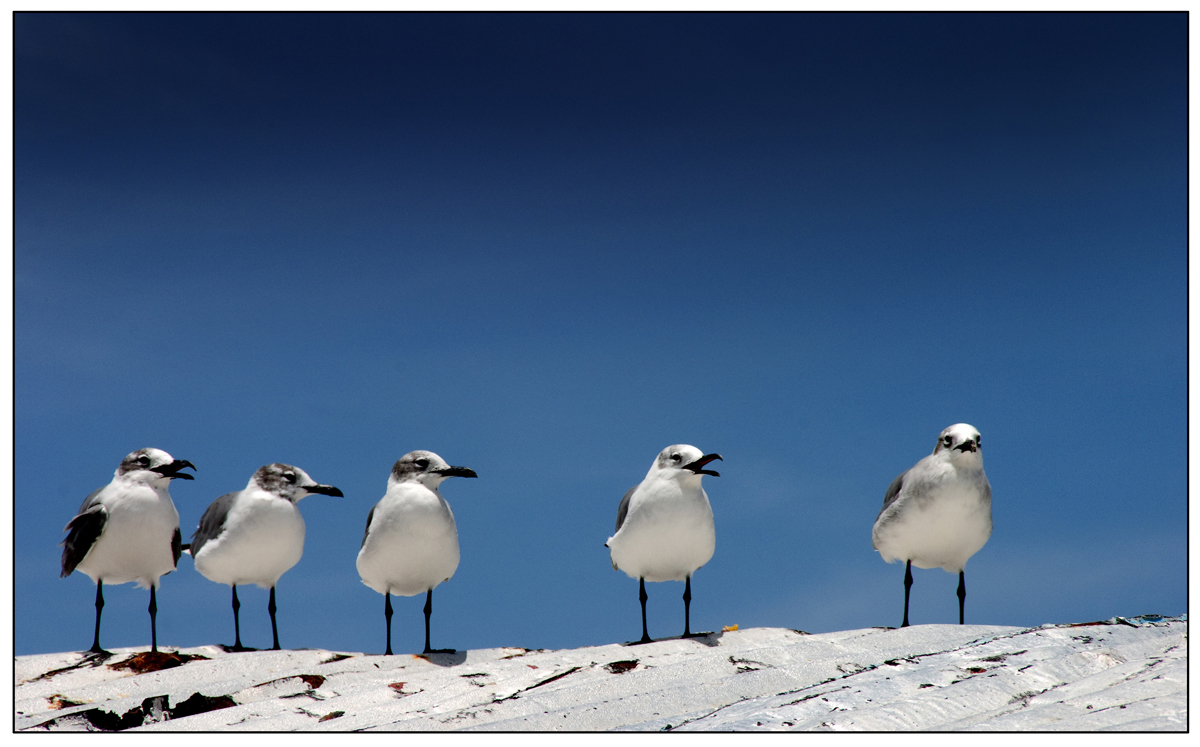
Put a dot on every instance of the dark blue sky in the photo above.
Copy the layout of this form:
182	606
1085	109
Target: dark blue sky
547	246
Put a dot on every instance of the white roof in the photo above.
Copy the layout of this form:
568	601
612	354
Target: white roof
1127	674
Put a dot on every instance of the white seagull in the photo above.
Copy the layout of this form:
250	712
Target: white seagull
665	526
938	513
128	530
411	542
255	535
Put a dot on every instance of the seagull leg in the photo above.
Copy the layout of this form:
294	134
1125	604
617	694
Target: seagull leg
642	597
237	630
153	627
428	612
687	608
907	586
271	609
962	594
387	615
95	649
687	617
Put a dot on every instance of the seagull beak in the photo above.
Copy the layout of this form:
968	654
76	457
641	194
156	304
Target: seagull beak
966	446
698	465
457	472
324	490
172	470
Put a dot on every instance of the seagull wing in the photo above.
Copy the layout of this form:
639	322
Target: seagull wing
624	507
212	523
89	501
893	492
370	515
83	531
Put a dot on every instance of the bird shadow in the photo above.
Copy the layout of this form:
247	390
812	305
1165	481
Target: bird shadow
451	658
710	639
444	658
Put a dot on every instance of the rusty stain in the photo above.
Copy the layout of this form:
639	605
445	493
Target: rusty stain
154	661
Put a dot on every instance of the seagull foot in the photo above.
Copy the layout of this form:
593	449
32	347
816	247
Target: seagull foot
696	635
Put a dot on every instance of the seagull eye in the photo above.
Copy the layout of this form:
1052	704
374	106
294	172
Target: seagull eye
947	440
289	476
979	440
143	460
422	463
675	457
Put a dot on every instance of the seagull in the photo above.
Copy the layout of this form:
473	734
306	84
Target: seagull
938	513
255	535
411	543
665	526
128	530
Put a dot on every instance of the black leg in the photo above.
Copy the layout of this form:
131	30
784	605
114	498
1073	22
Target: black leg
428	612
907	586
237	630
642	597
387	615
687	608
274	630
95	649
153	627
962	594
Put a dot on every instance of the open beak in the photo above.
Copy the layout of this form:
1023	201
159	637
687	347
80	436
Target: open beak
965	446
698	465
457	472
172	470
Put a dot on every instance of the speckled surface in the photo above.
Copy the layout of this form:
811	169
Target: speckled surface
1118	674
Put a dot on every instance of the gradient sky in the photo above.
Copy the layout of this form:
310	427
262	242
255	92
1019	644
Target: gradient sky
547	246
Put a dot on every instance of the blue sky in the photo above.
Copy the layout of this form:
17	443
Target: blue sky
547	246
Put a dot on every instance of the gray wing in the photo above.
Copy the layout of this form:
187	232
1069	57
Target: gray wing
624	507
212	522
89	501
367	531
893	492
83	531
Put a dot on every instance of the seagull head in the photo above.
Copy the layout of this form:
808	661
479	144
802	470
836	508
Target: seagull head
153	466
682	461
427	468
960	444
290	483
